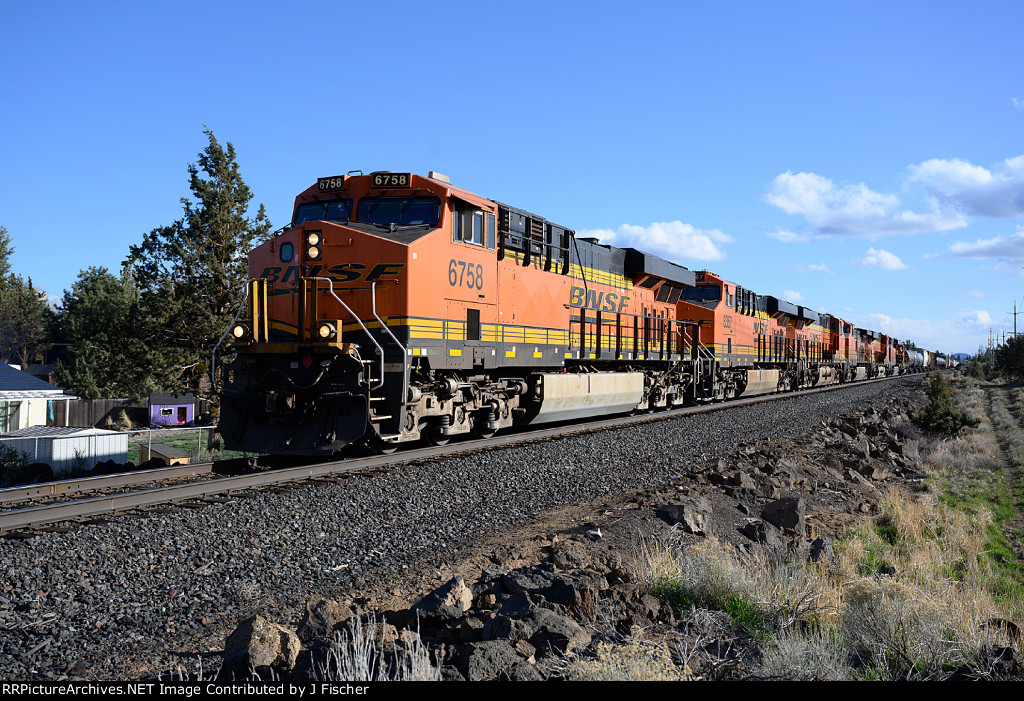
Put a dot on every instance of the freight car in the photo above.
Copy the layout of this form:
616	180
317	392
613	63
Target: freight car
398	307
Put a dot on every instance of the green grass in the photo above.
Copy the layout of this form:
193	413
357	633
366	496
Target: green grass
887	532
742	612
187	441
988	483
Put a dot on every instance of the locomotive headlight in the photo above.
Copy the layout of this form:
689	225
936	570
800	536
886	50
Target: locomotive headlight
240	332
327	331
313	245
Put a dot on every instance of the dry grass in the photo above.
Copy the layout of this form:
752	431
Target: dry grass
636	660
912	593
359	653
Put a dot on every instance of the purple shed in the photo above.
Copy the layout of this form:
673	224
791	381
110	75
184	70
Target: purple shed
171	409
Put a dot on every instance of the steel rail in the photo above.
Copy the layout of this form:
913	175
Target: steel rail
34	516
93	484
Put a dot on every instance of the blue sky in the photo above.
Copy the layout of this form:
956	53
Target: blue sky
862	158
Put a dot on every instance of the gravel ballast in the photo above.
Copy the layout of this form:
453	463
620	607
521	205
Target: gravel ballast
135	596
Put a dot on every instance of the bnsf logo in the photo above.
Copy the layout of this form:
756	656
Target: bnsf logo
344	272
598	301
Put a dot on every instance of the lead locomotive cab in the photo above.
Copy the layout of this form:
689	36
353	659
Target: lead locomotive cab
377	316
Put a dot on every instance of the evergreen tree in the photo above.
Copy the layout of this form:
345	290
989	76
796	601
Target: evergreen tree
6	249
101	317
1010	358
24	321
941	414
191	274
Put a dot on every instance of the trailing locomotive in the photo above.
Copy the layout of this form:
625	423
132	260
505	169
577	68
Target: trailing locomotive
398	307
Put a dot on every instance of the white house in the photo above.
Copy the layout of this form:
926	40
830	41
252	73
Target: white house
23	399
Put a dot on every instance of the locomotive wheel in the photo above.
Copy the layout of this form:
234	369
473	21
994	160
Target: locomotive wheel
481	432
382	447
432	436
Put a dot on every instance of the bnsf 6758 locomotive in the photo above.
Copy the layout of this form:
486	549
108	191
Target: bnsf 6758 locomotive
398	307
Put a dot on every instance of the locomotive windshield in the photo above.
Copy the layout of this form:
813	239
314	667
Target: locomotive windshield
403	211
335	210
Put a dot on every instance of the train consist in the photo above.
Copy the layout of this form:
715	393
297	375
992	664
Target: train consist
398	307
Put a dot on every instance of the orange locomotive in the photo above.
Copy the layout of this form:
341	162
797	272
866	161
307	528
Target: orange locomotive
398	307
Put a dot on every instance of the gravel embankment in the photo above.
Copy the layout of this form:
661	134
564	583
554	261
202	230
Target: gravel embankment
121	600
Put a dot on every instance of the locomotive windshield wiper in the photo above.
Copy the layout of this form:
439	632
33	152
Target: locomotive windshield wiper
393	227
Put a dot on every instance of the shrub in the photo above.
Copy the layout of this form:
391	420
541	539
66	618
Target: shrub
942	415
810	654
638	660
359	653
898	632
11	460
976	370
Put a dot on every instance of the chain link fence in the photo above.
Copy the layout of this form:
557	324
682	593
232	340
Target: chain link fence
76	451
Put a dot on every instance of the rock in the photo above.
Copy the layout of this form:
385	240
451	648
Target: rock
450	673
107	467
556	633
485	660
743	479
259	645
486	601
720	480
446	602
566	560
527	580
523	672
787	513
821	550
321	618
761	532
741	494
516	605
507	628
693	517
575	594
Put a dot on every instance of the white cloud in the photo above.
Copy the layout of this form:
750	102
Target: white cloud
880	321
788	236
972	189
819	268
975	293
1006	248
979	317
1018	102
853	210
877	258
673	240
791	296
1001	268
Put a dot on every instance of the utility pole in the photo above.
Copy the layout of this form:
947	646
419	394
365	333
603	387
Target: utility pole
1015	312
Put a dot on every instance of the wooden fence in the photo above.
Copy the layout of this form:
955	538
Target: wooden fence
106	413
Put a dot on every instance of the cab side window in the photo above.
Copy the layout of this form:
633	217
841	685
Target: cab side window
473	226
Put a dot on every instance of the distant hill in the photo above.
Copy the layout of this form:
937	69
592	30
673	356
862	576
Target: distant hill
961	357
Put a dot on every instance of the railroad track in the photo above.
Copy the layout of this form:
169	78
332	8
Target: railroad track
204	487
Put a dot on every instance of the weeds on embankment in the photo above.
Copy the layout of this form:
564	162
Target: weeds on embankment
928	589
